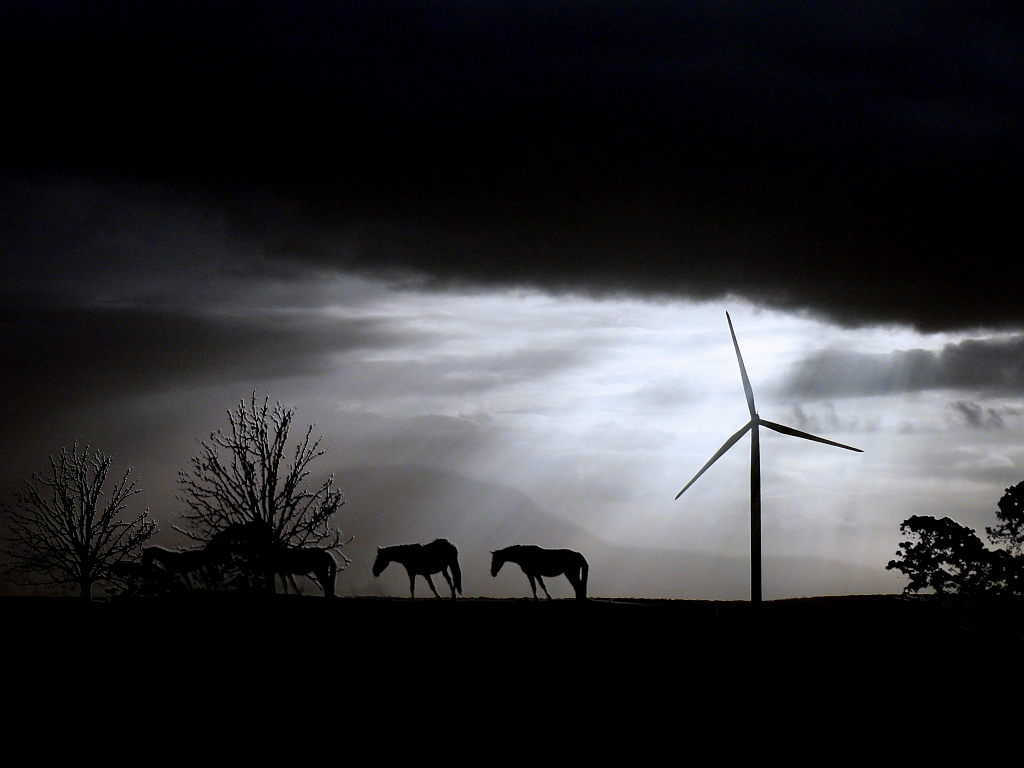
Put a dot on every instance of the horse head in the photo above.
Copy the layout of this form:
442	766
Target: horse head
496	562
380	563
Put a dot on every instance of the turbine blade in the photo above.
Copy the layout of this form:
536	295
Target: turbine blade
743	371
728	444
806	436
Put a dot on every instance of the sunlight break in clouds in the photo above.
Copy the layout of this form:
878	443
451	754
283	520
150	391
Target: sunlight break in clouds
497	416
599	410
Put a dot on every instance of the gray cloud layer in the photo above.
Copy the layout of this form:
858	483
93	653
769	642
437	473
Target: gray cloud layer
991	366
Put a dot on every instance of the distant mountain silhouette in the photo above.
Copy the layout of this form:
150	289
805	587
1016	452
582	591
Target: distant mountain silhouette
407	503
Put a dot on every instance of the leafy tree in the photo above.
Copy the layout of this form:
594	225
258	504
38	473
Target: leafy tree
63	529
1010	531
1010	534
944	556
243	476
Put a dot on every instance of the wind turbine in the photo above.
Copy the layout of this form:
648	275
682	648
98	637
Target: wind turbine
755	467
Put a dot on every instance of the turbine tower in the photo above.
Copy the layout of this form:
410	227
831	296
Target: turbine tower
755	467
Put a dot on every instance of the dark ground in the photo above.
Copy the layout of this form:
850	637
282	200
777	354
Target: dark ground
289	674
870	627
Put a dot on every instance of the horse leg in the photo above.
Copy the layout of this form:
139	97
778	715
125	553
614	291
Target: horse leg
326	579
541	580
579	582
444	572
431	583
575	581
412	585
533	585
291	578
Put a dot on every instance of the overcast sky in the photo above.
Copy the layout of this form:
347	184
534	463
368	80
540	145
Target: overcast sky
488	247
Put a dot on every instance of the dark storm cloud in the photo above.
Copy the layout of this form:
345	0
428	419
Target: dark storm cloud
990	366
859	161
59	358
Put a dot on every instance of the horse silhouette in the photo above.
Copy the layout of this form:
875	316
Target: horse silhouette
537	562
180	562
252	548
423	559
303	561
128	577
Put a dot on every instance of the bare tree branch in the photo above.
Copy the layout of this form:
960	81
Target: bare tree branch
242	476
63	530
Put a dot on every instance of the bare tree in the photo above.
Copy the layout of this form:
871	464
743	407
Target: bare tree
63	529
242	476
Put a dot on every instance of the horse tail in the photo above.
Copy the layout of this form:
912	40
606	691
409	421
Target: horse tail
332	573
456	571
581	593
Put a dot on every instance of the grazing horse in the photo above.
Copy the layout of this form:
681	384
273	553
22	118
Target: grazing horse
423	559
180	562
303	561
253	548
128	577
537	562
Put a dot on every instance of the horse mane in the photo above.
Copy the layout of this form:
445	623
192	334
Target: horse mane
154	551
397	550
402	547
513	548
